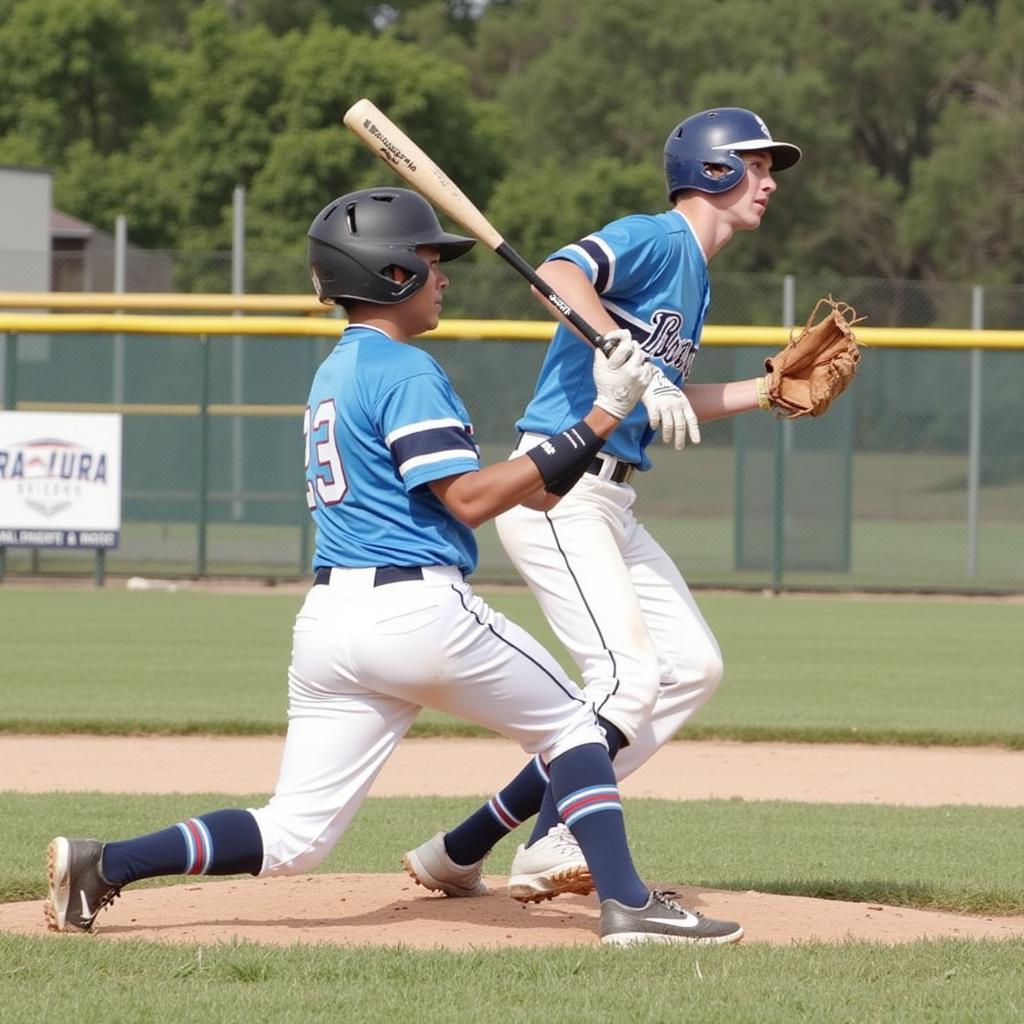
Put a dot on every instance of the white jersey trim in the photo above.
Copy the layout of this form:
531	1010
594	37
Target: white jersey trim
432	457
622	314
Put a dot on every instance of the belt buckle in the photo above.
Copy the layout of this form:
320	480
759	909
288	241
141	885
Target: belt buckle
629	471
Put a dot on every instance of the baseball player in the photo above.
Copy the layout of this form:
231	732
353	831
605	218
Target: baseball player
612	596
395	486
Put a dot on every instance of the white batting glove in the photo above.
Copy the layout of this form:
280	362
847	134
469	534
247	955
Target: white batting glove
621	378
668	408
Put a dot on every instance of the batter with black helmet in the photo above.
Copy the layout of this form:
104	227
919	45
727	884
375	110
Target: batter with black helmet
395	488
612	595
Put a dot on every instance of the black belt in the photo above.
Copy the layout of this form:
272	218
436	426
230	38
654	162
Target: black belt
382	575
621	474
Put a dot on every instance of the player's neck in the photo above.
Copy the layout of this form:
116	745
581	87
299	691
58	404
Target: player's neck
713	231
384	325
382	318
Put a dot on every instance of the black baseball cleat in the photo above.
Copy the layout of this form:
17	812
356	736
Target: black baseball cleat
661	919
78	890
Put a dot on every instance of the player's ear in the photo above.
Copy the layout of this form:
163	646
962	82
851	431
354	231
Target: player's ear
398	274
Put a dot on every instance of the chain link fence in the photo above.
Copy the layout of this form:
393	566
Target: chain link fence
914	480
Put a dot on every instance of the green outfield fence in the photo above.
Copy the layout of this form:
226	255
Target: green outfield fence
914	480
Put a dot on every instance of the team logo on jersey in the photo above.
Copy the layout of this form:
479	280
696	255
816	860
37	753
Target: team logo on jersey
665	341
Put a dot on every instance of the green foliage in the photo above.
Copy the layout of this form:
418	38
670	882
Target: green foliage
70	71
551	114
966	208
541	209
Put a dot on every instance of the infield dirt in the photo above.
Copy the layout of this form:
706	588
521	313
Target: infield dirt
392	910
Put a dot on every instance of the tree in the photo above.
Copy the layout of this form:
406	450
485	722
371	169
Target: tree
312	159
965	216
70	71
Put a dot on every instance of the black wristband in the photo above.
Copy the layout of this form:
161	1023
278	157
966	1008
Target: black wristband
564	484
563	458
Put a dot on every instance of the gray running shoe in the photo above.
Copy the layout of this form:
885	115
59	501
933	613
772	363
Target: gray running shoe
430	866
661	919
553	865
78	890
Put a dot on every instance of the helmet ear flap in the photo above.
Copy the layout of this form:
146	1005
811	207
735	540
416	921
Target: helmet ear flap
358	273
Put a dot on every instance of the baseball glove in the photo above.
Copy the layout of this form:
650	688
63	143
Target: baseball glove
806	376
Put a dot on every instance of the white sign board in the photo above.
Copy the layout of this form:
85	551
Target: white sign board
60	479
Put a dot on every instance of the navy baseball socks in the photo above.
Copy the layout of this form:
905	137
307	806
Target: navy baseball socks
548	816
523	797
587	797
219	843
86	875
474	838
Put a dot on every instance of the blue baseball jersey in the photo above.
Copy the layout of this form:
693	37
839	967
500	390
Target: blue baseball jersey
383	421
652	276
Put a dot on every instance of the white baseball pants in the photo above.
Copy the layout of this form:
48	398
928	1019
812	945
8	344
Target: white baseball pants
365	659
615	599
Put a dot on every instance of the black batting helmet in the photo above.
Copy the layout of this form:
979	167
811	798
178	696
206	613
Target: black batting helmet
357	237
719	136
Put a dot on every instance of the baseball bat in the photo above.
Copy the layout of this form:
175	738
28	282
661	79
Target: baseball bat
382	136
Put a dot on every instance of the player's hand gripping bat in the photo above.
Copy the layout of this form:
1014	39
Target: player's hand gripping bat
405	158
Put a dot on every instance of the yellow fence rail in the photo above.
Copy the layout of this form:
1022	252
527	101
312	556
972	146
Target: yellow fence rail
481	330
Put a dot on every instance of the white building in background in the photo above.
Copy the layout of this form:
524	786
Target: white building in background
43	249
25	236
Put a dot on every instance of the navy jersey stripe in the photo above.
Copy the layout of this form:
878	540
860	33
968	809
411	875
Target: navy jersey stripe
600	258
431	441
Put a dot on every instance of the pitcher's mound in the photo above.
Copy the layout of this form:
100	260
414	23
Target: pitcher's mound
390	910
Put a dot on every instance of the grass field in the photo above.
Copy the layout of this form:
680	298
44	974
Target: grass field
915	857
797	668
950	982
874	670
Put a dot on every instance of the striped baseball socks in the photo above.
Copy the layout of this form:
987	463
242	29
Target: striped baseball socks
522	798
473	838
587	797
219	843
548	816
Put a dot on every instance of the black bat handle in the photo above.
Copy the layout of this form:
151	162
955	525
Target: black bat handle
510	256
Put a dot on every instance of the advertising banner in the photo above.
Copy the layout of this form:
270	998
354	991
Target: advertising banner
60	479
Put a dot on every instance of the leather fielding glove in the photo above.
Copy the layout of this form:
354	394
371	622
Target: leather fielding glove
816	367
622	377
668	408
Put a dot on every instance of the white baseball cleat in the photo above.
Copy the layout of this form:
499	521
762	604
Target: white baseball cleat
430	866
553	865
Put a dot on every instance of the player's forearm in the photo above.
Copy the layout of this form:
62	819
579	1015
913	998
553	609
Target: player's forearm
716	401
474	498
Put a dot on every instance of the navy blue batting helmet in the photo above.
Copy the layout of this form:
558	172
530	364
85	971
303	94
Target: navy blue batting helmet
718	137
